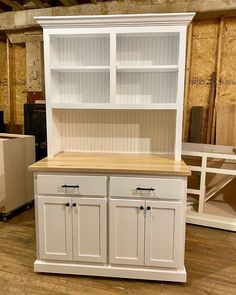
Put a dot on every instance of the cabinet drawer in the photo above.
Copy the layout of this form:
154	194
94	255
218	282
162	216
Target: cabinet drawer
146	187
60	184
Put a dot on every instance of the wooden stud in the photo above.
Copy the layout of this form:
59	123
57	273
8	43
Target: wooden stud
218	70
211	108
187	74
9	85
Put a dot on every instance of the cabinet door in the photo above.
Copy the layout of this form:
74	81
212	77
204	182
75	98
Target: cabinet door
55	228
89	230
164	234
127	232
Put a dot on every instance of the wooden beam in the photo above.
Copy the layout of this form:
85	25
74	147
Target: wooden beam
13	4
10	85
211	105
218	71
187	78
4	7
68	2
34	4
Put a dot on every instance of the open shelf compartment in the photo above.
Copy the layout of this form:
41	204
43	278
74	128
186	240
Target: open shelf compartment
86	87
80	50
147	87
142	49
121	131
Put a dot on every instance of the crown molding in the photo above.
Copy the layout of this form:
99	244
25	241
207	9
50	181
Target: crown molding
125	20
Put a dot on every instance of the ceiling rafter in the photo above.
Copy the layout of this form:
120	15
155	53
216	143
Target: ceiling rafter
13	4
69	2
38	3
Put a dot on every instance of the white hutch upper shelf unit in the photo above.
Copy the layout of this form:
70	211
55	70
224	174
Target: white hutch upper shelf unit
115	83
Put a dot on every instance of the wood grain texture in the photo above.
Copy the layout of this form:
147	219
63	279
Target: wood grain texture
148	164
210	262
226	124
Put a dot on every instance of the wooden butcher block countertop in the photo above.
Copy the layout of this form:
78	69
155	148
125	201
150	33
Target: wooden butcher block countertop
112	163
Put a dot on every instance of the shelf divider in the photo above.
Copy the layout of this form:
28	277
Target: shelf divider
112	67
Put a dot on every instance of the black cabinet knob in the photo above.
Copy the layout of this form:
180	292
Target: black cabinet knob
148	208
141	208
74	204
67	204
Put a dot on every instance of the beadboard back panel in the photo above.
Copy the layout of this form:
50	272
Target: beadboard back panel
125	131
80	87
147	49
147	87
80	50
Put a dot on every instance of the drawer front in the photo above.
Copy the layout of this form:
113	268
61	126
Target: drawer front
146	187
71	185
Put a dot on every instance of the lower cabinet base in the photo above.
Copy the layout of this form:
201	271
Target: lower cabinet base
174	275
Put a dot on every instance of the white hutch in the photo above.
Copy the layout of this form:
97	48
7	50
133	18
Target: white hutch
110	197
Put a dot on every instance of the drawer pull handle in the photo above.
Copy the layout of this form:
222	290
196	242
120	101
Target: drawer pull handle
74	204
72	186
145	189
148	208
141	207
67	204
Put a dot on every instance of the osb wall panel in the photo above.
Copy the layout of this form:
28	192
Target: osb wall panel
19	81
227	83
34	66
203	62
3	82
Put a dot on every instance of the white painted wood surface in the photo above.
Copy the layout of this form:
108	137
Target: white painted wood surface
53	184
126	225
160	187
127	131
54	228
89	230
208	212
163	234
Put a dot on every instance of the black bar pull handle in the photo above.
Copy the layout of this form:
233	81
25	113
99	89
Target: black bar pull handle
145	189
71	186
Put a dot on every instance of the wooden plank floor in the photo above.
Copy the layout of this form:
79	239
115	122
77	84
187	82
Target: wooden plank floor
210	262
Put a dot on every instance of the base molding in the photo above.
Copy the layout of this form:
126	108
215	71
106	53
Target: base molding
174	275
